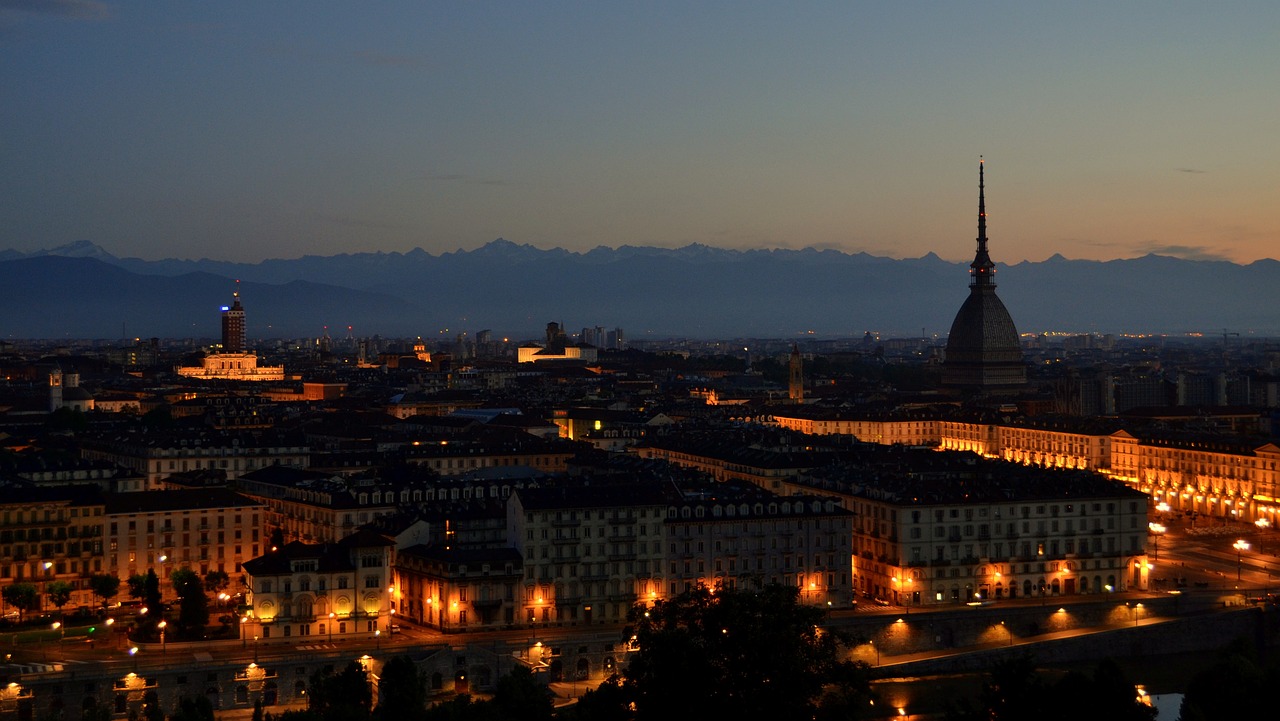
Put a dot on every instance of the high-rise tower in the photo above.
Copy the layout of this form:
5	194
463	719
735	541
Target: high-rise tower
983	352
795	384
233	324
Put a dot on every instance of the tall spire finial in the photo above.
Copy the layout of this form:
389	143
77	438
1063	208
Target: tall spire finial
982	269
982	204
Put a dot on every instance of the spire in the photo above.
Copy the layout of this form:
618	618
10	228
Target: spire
982	269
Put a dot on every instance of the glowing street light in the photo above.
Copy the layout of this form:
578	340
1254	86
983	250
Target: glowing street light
1156	529
1241	546
162	625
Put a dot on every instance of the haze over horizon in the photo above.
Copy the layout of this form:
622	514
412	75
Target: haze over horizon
247	131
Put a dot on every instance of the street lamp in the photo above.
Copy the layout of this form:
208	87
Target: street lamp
331	617
1156	529
1241	546
44	584
1262	524
162	625
133	651
1008	631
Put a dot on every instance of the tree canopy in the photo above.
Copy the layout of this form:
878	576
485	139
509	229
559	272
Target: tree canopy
105	586
1015	689
23	596
743	654
193	605
58	593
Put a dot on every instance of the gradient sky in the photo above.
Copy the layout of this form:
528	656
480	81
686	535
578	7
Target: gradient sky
247	130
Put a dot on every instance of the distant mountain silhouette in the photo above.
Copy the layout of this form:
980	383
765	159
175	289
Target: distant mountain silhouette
696	291
66	297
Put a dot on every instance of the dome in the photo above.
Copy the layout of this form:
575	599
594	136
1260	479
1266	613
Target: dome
983	331
982	348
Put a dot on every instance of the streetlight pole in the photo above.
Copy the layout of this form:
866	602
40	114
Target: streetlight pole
1241	546
331	618
1156	529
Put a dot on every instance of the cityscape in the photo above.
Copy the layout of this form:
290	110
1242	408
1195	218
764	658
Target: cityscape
742	421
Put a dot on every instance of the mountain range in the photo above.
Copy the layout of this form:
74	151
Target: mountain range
81	290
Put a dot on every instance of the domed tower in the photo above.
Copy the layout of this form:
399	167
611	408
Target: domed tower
983	352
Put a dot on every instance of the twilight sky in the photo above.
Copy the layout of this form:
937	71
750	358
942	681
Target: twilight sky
248	130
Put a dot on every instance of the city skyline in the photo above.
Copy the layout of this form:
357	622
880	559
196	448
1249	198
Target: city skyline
242	132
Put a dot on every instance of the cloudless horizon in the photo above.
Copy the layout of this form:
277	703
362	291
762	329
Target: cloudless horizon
243	131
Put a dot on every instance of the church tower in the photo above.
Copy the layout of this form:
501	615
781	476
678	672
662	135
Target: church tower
983	352
795	386
233	325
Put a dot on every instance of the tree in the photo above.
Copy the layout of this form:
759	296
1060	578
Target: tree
193	606
151	595
216	581
151	710
192	708
58	593
22	596
1236	686
344	696
606	702
732	653
1013	691
137	586
520	697
105	586
402	690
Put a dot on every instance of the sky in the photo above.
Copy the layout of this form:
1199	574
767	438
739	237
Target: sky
250	130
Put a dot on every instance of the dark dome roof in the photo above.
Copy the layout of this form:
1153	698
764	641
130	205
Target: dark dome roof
983	332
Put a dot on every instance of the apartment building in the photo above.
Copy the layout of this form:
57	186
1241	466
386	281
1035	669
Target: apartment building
52	534
325	591
156	455
205	530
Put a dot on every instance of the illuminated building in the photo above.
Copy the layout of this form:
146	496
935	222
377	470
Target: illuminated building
950	531
795	380
314	507
235	361
212	529
589	553
983	352
322	590
1237	480
557	349
720	542
52	534
459	589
